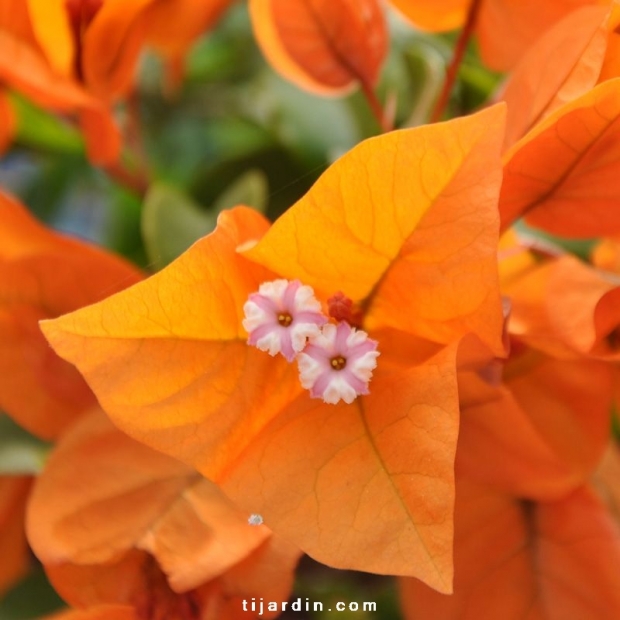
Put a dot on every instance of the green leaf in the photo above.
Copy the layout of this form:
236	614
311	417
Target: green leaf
250	189
20	452
32	598
171	222
44	131
582	248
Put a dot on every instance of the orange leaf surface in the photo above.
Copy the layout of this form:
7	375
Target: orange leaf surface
137	580
562	65
43	275
517	560
322	45
52	30
544	429
562	175
611	64
430	177
24	68
111	45
169	362
14	492
606	255
79	514
191	18
102	135
181	544
505	28
434	15
568	309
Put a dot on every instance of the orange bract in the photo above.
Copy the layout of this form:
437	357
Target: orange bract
325	46
568	309
44	274
505	28
25	67
80	526
516	559
544	429
562	175
562	65
169	362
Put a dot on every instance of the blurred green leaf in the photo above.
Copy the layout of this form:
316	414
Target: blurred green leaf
41	130
316	582
315	128
426	71
20	452
31	598
582	248
171	222
250	189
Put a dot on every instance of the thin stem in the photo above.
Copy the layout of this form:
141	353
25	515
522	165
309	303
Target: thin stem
376	107
135	134
457	58
132	180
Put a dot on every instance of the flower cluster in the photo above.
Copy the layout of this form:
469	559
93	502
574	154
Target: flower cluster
335	360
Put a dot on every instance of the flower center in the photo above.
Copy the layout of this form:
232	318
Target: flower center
285	319
338	362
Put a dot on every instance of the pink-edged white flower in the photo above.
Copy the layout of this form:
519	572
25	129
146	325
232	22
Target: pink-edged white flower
337	363
282	316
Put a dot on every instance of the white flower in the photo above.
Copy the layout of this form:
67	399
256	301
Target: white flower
282	316
337	363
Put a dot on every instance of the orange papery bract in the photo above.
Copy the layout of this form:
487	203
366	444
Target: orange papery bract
116	522
505	28
562	65
568	309
169	362
516	560
191	19
562	175
324	46
80	56
25	67
44	274
544	429
606	255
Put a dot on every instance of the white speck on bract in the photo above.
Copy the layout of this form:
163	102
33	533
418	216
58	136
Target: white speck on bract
255	519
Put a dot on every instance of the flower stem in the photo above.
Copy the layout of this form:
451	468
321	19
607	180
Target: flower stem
376	107
455	63
132	180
